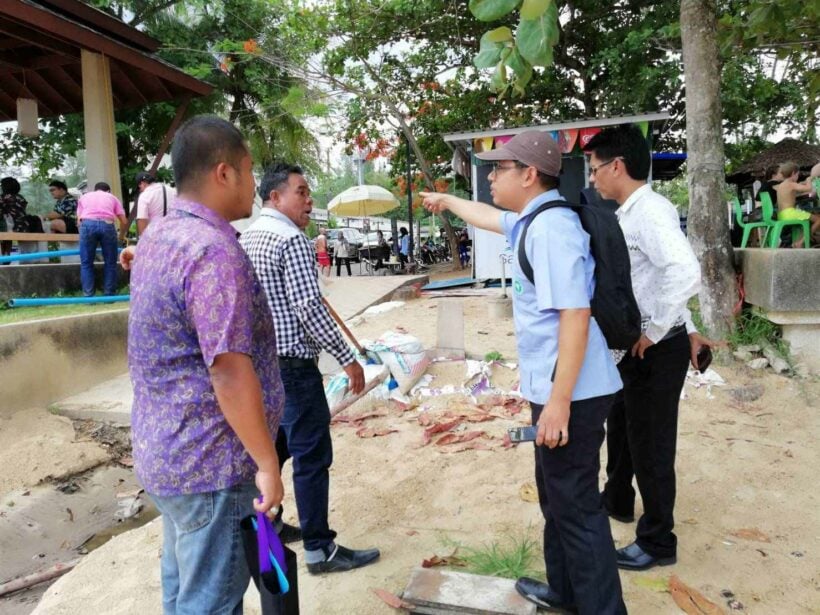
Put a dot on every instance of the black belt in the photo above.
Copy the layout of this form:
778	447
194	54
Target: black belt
296	362
674	332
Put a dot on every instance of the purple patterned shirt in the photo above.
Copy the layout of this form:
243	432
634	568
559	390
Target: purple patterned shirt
194	296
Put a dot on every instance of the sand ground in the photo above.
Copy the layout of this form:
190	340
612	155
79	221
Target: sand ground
741	466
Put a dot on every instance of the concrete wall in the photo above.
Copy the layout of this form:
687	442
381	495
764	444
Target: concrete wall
785	285
42	361
781	280
47	280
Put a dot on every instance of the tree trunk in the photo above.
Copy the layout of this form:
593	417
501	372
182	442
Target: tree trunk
708	224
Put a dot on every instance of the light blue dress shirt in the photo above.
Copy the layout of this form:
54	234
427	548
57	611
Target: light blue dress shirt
563	270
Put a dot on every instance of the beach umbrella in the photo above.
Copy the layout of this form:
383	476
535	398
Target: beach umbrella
361	201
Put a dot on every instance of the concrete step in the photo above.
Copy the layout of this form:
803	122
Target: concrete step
435	591
108	402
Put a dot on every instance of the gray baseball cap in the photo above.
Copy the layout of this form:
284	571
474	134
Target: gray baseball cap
533	148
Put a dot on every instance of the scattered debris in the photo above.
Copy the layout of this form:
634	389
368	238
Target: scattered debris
655	584
758	363
749	348
37	577
690	600
743	355
391	600
731	601
528	493
751	534
747	394
446	560
71	485
129	507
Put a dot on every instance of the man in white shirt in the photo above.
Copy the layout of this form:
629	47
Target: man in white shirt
642	426
154	200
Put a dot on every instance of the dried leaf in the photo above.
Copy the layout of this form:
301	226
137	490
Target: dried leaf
391	599
652	583
449	438
528	492
441	427
425	420
370	432
453	438
411	532
479	418
443	560
127	461
690	600
751	533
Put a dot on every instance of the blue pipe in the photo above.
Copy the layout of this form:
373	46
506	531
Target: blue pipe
68	300
37	255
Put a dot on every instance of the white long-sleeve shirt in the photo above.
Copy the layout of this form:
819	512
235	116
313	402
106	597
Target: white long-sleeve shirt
665	271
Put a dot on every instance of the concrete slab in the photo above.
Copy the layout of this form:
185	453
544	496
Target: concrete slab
436	591
450	336
109	402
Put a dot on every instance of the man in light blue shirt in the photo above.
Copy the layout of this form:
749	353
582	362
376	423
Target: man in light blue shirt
567	373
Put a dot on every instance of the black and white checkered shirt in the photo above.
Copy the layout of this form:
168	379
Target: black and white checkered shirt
285	264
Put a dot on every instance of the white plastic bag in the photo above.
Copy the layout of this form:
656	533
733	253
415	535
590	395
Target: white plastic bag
404	356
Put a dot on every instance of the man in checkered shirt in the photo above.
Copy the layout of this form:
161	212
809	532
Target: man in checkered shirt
285	264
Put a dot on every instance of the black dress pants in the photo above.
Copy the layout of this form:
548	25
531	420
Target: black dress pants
342	260
578	548
642	432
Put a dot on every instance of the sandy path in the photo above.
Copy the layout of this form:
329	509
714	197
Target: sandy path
740	466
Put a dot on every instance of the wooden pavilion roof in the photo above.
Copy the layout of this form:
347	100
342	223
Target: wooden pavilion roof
40	45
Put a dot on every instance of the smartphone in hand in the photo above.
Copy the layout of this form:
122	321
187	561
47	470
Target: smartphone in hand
704	358
523	434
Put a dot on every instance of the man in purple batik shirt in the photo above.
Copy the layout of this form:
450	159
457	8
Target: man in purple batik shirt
202	357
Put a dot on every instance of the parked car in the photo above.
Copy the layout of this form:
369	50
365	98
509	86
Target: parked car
354	238
371	249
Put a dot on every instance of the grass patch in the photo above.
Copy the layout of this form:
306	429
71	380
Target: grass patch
13	315
493	356
511	558
753	328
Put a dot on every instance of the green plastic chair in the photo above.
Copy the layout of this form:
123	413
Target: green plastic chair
777	226
748	227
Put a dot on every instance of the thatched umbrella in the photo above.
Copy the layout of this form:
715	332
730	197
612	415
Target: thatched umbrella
761	166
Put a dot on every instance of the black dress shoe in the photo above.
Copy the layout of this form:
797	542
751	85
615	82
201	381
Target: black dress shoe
542	595
633	557
289	533
342	559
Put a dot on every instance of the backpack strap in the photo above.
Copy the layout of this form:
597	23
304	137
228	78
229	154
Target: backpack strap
164	202
523	260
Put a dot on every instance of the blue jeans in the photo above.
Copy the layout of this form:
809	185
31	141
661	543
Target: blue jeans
203	560
306	426
93	233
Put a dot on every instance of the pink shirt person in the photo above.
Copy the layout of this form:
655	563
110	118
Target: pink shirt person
99	205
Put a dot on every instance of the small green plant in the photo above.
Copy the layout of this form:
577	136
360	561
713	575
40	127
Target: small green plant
510	558
753	328
493	356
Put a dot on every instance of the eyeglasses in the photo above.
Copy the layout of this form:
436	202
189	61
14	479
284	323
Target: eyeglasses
593	171
497	168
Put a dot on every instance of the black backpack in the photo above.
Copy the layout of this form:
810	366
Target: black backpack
613	304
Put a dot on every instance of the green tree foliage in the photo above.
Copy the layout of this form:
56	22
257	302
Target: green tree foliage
212	41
